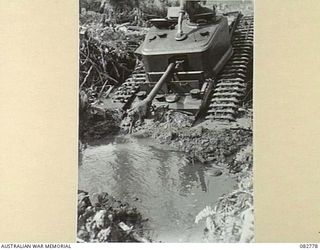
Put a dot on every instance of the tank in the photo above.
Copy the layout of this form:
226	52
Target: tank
193	60
198	43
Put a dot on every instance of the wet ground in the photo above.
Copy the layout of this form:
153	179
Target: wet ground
164	186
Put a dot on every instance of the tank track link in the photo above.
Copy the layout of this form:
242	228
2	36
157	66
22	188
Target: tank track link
130	87
231	84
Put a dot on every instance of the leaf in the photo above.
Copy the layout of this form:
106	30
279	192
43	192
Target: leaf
207	211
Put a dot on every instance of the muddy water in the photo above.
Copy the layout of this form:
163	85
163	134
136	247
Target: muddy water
160	182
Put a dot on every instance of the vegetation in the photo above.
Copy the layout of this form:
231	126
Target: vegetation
231	219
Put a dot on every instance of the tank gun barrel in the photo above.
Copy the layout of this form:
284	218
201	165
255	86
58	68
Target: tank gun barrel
161	81
142	109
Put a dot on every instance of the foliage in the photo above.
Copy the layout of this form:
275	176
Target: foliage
149	7
106	59
102	218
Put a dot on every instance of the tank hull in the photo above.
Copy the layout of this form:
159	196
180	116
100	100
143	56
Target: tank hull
205	48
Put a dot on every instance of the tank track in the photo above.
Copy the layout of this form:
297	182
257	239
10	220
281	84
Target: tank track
231	84
127	91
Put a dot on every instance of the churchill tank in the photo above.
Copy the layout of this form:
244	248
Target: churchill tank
193	60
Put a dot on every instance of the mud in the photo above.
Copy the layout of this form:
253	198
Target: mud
94	125
205	143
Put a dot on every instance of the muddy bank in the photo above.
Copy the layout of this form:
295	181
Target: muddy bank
95	125
206	143
102	218
201	143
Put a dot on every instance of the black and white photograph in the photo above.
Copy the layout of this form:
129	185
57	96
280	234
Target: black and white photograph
165	149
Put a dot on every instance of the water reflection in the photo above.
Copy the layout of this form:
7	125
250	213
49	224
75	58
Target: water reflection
160	182
191	175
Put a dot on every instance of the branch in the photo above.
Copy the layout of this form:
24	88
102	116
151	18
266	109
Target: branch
85	79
